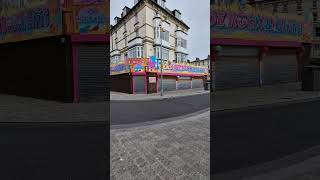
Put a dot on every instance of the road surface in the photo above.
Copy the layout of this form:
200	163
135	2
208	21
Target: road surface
254	136
132	112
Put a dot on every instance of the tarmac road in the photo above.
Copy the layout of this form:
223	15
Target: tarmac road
132	112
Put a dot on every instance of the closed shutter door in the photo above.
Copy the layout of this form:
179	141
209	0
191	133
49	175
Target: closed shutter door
280	68
168	84
197	83
139	84
233	72
184	83
93	74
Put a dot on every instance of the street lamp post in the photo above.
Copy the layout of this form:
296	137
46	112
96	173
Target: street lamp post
161	81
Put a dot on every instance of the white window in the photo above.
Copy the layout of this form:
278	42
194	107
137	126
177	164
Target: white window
178	57
157	52
157	32
136	52
181	43
165	53
165	35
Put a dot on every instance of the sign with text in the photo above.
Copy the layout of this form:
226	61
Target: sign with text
152	65
247	23
29	19
91	16
184	69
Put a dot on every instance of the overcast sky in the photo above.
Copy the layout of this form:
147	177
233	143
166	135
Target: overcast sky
195	13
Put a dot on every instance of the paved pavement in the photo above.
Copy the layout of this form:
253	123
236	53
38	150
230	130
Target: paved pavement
256	96
252	137
117	96
174	150
131	113
23	109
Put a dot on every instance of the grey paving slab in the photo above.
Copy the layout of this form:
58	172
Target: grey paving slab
172	150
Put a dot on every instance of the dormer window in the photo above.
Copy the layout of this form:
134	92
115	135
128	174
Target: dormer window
177	14
162	3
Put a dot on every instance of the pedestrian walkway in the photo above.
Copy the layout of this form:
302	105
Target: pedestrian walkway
25	109
177	149
255	96
118	96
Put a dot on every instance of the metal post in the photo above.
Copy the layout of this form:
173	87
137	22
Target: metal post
161	82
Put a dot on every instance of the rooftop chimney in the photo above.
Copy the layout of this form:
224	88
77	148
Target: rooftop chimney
116	20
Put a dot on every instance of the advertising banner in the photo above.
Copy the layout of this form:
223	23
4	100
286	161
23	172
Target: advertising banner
91	16
29	19
121	68
153	65
184	69
236	22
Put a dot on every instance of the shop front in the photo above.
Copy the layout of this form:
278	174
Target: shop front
61	54
257	48
143	76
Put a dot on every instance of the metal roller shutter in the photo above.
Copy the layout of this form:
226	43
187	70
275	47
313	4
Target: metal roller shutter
237	67
280	68
184	83
92	67
168	84
197	83
139	84
232	72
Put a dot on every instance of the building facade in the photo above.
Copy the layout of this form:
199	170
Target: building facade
299	7
146	28
202	62
253	54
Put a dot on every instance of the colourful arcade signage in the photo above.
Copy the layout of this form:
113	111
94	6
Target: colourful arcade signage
153	65
23	20
91	16
246	23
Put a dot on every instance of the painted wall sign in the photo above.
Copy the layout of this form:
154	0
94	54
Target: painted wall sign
247	23
152	65
29	19
184	69
91	16
116	69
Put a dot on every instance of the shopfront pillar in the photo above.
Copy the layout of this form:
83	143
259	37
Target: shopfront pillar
262	54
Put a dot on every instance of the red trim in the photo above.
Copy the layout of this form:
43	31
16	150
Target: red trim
90	38
76	98
228	41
